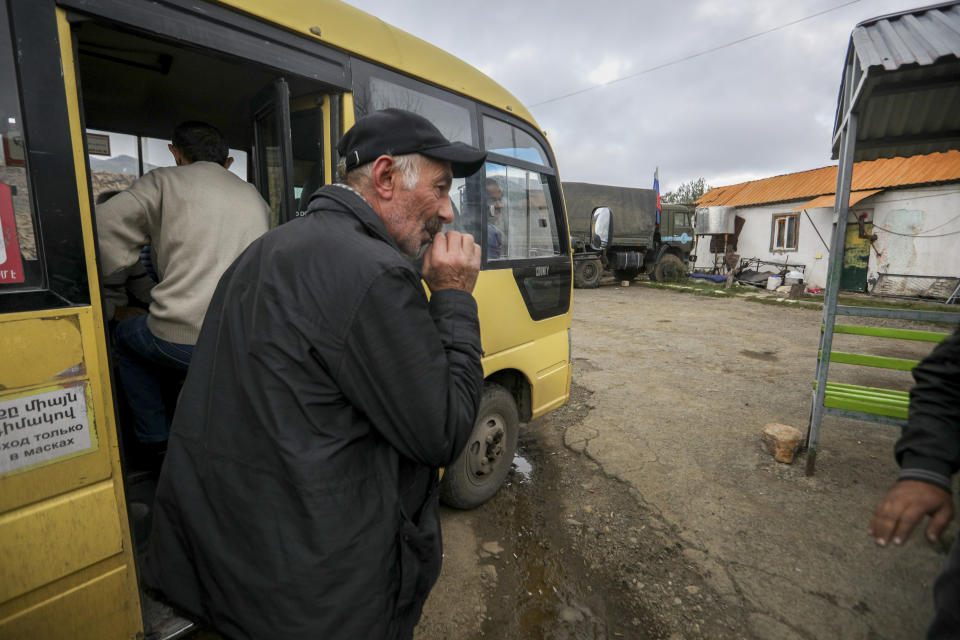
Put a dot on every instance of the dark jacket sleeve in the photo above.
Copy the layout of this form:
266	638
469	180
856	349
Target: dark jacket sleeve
929	448
413	366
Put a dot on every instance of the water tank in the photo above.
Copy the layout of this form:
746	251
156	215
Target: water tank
710	221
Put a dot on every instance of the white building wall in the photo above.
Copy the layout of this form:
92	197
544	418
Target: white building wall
918	233
755	239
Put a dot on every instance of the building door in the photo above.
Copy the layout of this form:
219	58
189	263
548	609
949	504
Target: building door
856	259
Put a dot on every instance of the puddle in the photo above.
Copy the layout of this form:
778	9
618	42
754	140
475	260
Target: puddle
521	469
548	601
546	590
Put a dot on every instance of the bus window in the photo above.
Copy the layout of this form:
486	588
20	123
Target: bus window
156	153
466	207
271	140
117	159
19	259
306	137
507	140
452	119
521	223
114	163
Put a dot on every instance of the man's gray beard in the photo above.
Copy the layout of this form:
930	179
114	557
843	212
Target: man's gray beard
421	252
417	257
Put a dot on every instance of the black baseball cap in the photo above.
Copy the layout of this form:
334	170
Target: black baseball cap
397	132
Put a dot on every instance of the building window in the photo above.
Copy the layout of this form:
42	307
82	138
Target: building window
784	235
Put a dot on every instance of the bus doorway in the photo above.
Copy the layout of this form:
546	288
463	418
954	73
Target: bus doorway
139	87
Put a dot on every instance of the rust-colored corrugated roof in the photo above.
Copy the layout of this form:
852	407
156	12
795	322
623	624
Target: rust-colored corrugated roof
827	201
886	173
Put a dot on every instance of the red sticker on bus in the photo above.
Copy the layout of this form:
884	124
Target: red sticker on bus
11	269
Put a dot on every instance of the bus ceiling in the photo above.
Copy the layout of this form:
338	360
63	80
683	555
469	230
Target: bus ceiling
141	84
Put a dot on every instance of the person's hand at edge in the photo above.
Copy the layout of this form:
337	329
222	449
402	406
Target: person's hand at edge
905	505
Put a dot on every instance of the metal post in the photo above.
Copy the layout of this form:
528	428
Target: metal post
953	295
841	211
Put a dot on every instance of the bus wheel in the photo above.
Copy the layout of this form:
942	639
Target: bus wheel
586	274
484	463
670	269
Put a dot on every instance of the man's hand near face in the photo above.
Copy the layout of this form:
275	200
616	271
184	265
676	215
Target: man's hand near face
452	262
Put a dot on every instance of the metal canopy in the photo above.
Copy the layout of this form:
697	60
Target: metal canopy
902	80
900	96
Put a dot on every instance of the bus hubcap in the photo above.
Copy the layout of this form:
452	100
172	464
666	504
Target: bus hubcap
487	447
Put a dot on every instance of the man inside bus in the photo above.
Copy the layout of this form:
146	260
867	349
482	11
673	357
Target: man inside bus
298	498
197	217
495	207
127	292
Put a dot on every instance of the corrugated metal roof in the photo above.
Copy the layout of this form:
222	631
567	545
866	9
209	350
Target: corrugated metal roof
902	78
886	173
828	201
919	36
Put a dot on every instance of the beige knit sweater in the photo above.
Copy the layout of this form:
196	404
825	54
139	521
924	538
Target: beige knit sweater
198	218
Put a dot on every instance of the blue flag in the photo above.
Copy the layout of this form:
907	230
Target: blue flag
656	187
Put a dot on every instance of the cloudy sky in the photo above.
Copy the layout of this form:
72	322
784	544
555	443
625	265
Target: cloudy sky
759	107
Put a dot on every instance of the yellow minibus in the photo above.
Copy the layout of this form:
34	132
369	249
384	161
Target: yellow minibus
90	91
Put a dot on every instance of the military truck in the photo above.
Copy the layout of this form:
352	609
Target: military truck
614	229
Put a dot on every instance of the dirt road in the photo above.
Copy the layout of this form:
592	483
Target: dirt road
646	508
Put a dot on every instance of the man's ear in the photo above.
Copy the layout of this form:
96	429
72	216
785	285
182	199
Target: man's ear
177	156
228	162
385	180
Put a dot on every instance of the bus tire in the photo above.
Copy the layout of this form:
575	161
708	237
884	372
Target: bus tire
484	463
626	274
586	274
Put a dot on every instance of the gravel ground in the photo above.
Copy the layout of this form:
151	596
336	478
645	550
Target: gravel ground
647	508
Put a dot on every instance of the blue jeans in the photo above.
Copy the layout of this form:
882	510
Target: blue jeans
149	369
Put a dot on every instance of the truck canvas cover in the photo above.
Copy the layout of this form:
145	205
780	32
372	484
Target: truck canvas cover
634	210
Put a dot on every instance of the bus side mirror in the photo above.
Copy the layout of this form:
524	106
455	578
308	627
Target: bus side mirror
601	228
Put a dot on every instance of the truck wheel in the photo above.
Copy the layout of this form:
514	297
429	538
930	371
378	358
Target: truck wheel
626	274
483	465
586	274
670	269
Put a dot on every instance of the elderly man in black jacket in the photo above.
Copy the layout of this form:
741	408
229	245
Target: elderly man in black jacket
929	454
298	496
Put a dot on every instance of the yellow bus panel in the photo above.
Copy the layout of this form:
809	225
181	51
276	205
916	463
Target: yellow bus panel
96	609
72	364
498	298
24	364
538	349
49	540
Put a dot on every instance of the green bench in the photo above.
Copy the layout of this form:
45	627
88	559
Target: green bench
873	404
